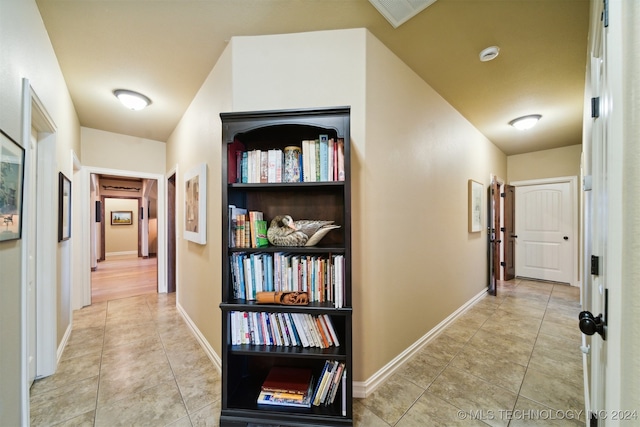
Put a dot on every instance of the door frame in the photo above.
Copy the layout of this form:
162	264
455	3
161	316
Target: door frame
86	202
103	243
35	115
172	229
575	228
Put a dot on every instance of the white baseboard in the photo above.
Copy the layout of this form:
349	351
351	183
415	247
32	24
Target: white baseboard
63	343
363	389
217	361
108	254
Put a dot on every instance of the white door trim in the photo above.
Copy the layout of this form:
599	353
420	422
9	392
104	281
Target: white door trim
573	183
85	200
35	115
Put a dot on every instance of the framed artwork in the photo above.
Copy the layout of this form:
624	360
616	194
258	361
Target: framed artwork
121	217
11	188
195	204
64	208
475	206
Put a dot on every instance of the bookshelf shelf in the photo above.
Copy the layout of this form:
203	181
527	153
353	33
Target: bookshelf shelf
327	197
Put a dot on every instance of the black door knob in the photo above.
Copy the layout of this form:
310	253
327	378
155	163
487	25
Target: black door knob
515	236
589	324
566	237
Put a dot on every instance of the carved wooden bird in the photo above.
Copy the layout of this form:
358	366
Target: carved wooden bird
284	231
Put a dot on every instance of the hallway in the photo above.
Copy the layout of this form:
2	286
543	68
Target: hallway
134	362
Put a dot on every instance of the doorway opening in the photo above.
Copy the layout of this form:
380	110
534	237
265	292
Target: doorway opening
124	237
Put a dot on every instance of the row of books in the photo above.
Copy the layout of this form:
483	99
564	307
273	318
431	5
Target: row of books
320	160
247	229
322	278
283	329
296	387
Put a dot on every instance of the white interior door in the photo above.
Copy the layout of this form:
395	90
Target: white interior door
545	230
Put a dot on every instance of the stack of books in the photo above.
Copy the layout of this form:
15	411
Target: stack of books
287	386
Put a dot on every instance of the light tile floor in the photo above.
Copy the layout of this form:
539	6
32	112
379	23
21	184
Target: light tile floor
509	360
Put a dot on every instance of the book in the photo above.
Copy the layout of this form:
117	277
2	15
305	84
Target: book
323	141
322	383
261	234
287	379
234	226
264	166
266	398
341	173
234	153
254	216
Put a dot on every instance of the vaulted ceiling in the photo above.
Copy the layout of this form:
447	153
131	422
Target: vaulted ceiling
166	48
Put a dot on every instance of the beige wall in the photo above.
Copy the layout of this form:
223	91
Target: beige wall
197	139
411	151
417	261
553	163
26	52
123	152
120	239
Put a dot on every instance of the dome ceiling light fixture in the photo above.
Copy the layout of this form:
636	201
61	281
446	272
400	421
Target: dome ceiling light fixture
132	100
489	53
525	122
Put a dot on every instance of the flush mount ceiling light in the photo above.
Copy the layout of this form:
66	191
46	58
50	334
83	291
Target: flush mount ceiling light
525	122
132	100
489	53
397	12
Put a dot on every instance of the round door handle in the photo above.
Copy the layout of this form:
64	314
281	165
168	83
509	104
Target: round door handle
566	237
589	324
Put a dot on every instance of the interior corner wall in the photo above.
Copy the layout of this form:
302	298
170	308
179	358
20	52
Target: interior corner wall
197	139
418	261
26	52
412	156
556	162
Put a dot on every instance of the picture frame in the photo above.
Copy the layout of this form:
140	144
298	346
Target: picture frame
195	204
11	188
121	217
64	207
475	191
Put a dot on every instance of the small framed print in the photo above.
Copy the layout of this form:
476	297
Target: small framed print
64	208
195	204
475	206
11	182
121	217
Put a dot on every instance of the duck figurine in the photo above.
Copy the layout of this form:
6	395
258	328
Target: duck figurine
284	231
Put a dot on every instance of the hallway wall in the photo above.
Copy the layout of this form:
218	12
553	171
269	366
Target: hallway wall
409	149
26	52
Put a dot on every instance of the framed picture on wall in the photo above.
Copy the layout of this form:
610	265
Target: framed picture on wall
64	208
475	206
121	217
195	204
11	179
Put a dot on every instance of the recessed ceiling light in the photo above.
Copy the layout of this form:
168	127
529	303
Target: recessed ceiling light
525	122
132	100
489	53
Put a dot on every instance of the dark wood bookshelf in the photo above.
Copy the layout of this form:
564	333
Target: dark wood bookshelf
244	367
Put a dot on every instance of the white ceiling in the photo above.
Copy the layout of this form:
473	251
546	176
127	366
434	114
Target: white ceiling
166	48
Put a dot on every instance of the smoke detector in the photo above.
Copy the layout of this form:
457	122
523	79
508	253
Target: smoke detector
489	53
397	12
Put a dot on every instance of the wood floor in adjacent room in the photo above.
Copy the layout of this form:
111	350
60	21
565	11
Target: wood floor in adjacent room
124	276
